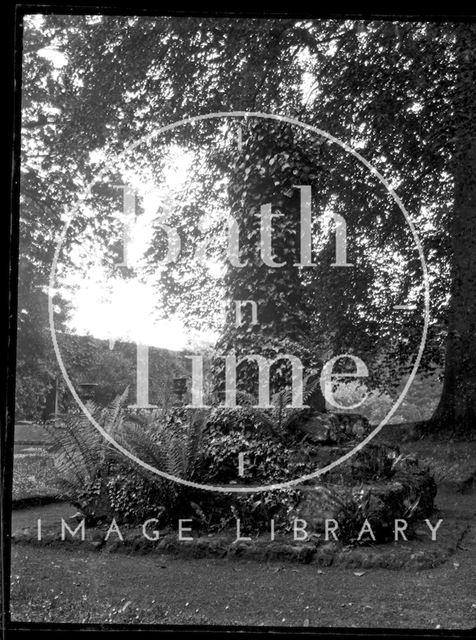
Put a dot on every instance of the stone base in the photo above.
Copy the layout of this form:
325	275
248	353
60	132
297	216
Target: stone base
334	428
420	553
407	496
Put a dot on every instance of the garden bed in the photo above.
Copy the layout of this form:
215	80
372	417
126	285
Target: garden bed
418	553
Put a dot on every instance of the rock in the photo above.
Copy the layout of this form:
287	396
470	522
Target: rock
319	503
407	495
325	554
319	455
289	552
335	428
354	425
323	428
372	462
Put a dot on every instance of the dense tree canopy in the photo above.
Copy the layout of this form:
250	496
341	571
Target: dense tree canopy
397	92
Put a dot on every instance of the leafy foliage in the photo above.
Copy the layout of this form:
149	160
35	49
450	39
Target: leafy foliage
401	93
102	482
282	417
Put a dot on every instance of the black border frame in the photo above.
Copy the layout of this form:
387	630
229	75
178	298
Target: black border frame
9	236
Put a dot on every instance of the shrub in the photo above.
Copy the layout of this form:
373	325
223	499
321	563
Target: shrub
104	483
270	459
229	432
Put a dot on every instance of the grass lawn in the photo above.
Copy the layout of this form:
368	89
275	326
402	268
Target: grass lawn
448	461
72	584
32	474
75	585
62	586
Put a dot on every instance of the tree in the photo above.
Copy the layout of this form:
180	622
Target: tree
40	218
264	172
51	179
458	400
393	89
415	107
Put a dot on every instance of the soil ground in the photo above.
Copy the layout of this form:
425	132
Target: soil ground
75	585
72	584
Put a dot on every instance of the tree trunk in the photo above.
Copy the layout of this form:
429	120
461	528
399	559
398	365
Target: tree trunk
456	411
265	172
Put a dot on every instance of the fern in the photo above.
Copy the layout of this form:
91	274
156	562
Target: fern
77	449
83	459
113	414
281	417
